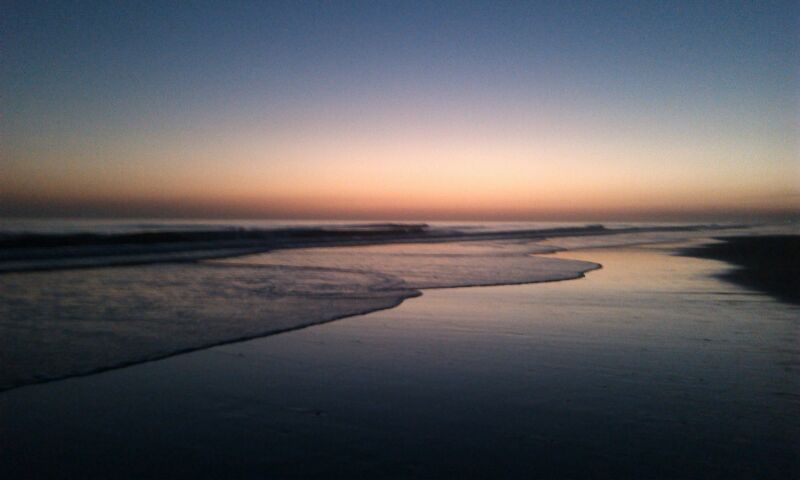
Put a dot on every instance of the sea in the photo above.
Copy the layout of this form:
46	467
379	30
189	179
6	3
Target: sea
390	349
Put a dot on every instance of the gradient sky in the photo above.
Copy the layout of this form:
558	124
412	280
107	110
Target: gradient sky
396	110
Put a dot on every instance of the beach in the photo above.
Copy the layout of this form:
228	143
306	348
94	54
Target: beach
652	367
399	240
767	263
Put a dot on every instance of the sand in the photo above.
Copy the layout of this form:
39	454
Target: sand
652	367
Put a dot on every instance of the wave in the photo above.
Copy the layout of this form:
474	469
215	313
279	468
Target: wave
57	324
26	251
60	324
64	323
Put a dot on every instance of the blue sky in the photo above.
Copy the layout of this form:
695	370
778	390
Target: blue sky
136	102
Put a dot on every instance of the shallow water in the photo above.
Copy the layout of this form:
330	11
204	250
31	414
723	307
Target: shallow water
57	245
437	265
72	322
58	324
648	368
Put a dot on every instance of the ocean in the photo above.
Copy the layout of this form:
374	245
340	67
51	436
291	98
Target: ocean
587	351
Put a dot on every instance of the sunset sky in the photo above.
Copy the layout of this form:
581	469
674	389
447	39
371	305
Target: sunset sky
400	110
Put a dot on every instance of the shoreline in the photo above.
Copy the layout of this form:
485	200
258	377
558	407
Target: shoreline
412	292
747	273
769	264
21	253
248	338
564	379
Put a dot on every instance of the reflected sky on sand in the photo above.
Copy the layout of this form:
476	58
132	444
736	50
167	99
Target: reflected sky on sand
648	368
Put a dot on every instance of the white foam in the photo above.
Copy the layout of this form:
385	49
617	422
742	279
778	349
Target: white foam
441	265
57	324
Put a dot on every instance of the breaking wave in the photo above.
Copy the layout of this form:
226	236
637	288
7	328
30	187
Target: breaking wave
57	321
29	251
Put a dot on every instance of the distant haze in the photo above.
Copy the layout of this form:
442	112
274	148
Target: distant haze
400	110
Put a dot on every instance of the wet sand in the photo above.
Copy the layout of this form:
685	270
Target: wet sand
769	263
649	368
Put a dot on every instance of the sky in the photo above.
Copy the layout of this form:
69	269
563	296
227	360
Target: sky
400	110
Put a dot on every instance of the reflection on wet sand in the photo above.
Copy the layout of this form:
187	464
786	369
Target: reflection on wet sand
648	368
